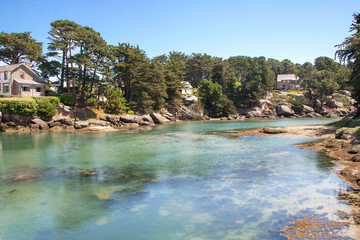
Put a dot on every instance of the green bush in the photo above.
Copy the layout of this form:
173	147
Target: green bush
23	106
46	106
42	106
115	100
67	100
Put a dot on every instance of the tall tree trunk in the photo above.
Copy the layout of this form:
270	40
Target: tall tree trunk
62	73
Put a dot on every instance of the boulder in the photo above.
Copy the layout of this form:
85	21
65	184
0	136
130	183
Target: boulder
168	115
34	127
334	104
345	92
113	119
270	130
52	124
18	119
147	118
256	112
131	125
188	113
189	99
42	124
158	119
11	124
284	110
308	109
128	119
98	122
65	121
81	124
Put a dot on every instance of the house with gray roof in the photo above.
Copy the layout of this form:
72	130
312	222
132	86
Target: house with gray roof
19	79
286	82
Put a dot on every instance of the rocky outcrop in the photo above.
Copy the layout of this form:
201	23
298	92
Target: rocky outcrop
146	120
167	115
189	100
256	112
98	122
345	92
187	113
81	124
158	119
308	109
41	124
334	104
270	130
18	119
128	119
284	110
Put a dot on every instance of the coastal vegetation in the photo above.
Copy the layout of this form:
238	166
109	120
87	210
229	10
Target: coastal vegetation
89	70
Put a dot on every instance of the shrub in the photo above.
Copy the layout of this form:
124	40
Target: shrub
115	100
67	100
46	106
23	106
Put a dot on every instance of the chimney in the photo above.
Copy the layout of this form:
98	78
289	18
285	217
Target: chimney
28	64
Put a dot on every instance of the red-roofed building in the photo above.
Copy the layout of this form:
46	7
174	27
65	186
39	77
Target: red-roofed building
19	79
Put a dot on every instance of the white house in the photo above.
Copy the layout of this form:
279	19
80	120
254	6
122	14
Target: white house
187	89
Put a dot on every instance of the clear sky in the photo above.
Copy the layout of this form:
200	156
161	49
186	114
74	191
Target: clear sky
296	30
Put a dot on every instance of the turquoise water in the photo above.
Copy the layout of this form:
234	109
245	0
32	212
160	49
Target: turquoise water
202	186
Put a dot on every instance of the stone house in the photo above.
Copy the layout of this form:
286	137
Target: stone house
286	82
19	79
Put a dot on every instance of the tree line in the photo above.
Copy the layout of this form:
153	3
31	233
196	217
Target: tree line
90	68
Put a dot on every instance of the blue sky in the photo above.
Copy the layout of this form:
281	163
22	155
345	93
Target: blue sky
295	30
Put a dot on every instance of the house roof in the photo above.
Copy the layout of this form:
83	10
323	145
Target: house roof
29	82
282	77
187	84
10	67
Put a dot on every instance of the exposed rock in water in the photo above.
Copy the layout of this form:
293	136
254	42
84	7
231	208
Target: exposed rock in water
81	124
18	119
186	113
65	121
158	119
42	124
98	122
269	130
128	119
146	120
168	115
284	110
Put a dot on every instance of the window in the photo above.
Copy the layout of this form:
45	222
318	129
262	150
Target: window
38	89
26	88
5	76
6	88
22	75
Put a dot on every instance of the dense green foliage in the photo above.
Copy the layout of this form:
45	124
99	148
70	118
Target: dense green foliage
46	106
42	106
23	106
349	52
67	100
17	47
115	100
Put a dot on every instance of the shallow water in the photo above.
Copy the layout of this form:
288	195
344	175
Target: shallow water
173	182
